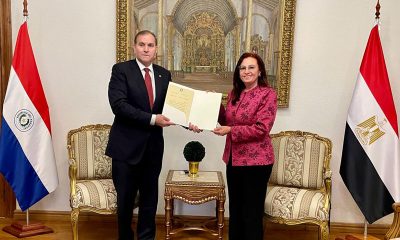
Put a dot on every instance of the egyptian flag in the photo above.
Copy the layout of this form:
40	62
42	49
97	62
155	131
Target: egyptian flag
370	165
26	151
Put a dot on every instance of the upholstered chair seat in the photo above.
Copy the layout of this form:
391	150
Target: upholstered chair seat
299	189
91	185
96	194
296	204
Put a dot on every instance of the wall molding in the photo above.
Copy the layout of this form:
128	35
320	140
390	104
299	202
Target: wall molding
7	199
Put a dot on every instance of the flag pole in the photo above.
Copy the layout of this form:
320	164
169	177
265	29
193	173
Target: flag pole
394	230
377	14
378	8
25	14
25	11
27	216
25	8
365	228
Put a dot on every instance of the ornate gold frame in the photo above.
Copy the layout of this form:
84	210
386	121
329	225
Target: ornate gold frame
288	10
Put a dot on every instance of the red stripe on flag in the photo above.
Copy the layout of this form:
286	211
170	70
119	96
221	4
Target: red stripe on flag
24	65
373	70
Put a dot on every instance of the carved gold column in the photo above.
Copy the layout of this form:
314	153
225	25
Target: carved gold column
170	30
160	36
237	39
122	32
249	25
270	53
132	26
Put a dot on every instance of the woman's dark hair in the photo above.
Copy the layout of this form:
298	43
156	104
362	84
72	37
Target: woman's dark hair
238	85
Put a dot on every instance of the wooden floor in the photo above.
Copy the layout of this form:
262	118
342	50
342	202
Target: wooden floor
107	231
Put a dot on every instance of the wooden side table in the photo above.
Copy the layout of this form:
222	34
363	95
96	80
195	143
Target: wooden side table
208	186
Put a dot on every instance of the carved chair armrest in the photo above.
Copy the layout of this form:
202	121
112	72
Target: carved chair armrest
328	187
72	172
394	230
328	174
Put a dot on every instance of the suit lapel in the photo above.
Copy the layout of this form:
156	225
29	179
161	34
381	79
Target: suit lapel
137	72
158	78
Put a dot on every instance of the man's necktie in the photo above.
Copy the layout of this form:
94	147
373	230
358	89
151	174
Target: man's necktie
147	81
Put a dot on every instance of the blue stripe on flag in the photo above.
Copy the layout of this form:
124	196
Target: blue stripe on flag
18	171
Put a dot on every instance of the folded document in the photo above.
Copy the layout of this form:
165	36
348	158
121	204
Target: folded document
184	105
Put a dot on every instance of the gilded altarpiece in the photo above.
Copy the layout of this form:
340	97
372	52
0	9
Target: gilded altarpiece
259	46
203	40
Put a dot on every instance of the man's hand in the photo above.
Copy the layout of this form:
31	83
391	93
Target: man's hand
222	131
163	121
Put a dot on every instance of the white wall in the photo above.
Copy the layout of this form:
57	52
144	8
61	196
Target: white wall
74	45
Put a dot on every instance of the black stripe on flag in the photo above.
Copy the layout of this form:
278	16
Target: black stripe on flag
363	181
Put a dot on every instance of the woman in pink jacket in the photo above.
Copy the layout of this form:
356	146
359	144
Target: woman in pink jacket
246	122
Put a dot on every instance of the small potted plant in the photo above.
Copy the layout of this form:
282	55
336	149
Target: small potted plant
194	152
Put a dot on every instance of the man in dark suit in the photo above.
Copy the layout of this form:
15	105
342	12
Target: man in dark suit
136	92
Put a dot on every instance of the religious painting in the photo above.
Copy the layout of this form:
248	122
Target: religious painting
200	41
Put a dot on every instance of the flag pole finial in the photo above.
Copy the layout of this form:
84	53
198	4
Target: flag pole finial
25	8
378	8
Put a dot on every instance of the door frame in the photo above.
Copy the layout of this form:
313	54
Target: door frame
7	197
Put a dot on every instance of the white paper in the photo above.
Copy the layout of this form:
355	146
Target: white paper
184	105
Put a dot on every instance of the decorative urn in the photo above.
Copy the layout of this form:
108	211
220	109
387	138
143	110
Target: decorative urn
194	152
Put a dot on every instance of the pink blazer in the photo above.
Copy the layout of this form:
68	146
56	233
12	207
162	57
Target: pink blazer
251	119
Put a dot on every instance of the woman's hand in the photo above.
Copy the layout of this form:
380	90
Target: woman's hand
222	131
194	128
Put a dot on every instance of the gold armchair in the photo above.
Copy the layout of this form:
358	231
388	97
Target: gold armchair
91	184
299	189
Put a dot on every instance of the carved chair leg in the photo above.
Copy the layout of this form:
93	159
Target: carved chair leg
324	231
74	223
394	230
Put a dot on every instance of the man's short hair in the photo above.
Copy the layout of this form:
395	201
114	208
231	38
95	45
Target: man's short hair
144	32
